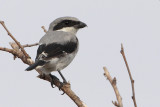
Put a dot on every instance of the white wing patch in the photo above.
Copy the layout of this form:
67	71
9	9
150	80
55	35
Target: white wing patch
64	52
42	55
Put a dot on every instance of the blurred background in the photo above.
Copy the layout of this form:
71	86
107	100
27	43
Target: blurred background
135	23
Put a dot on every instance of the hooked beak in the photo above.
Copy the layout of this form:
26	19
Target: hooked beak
81	25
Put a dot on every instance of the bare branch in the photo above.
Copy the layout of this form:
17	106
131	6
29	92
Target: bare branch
44	29
113	83
30	45
3	24
129	72
7	50
66	89
21	54
35	44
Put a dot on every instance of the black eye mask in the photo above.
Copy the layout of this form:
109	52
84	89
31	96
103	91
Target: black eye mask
66	23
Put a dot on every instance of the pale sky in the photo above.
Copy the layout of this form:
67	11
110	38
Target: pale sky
135	23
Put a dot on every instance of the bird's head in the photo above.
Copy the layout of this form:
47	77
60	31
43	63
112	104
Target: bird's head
67	24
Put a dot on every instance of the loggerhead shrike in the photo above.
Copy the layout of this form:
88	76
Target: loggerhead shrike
58	47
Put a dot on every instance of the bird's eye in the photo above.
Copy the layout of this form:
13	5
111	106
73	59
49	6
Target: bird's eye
67	22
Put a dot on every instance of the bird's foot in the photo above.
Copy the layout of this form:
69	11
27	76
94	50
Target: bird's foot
54	78
62	84
65	83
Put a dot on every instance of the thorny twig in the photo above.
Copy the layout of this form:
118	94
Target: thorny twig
129	72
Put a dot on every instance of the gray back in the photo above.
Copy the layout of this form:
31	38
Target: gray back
57	37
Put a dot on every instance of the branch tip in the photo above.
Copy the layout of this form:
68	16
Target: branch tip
44	29
30	45
130	76
2	22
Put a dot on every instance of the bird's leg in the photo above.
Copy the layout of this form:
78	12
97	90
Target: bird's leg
64	80
53	79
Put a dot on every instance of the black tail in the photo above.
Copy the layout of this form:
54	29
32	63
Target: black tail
37	63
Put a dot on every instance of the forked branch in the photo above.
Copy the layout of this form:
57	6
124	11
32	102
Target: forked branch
113	83
18	43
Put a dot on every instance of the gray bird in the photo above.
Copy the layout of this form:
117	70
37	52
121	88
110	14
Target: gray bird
58	47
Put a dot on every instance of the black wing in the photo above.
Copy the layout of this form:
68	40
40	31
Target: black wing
37	63
56	50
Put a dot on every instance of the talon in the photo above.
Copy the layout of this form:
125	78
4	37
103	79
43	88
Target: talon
52	85
62	84
63	93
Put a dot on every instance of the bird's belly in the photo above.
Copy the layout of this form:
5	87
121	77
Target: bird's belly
57	64
65	61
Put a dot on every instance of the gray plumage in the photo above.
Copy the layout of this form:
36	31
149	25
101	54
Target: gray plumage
51	37
58	47
57	64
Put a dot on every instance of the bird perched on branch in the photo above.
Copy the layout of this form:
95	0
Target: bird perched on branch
58	47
